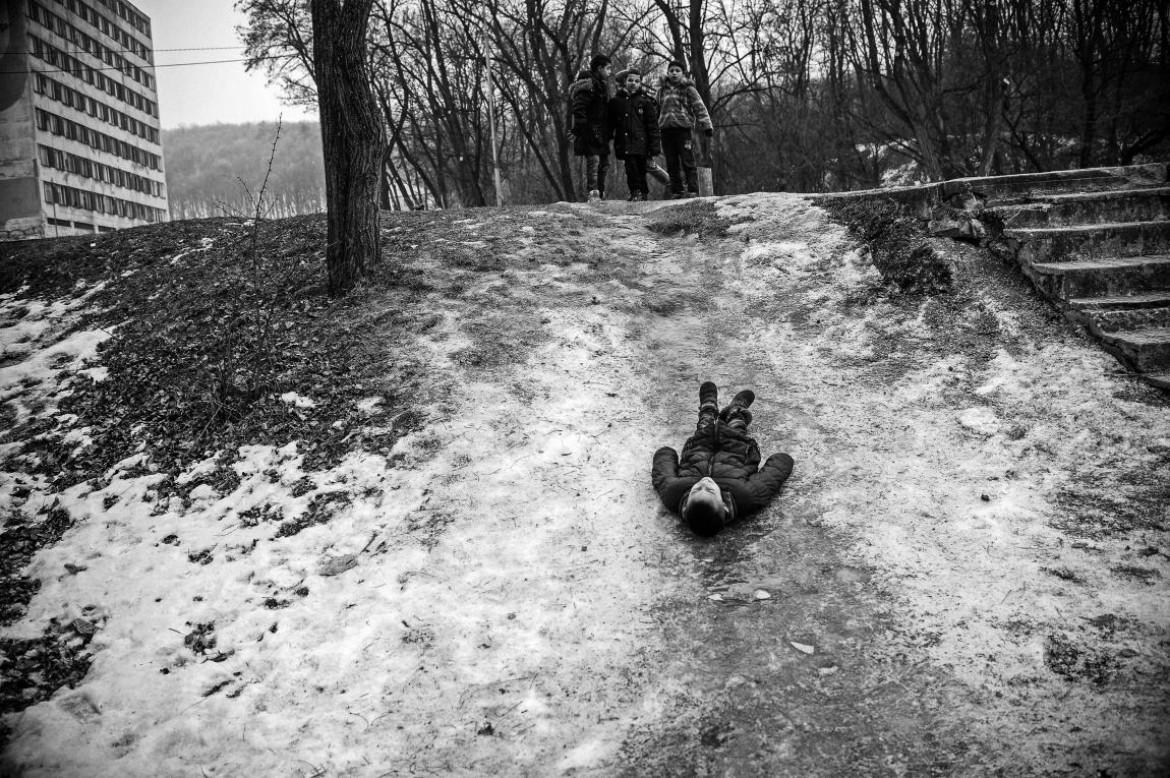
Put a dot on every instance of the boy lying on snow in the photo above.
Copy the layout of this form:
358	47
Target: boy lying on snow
717	480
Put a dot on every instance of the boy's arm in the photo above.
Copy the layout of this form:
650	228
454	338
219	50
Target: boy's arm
612	112
766	483
699	109
653	131
665	478
665	467
581	110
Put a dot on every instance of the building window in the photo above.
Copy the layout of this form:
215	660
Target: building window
58	194
69	129
78	69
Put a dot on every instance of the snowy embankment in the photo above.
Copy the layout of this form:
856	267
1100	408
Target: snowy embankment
482	598
486	582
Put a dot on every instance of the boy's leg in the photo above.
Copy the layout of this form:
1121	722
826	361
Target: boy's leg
591	163
631	176
690	167
671	149
639	184
602	168
738	409
708	407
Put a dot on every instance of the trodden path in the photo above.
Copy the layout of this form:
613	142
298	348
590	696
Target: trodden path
957	580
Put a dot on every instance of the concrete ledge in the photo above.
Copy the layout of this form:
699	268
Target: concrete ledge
1122	302
923	197
1154	174
1022	185
1084	230
1160	380
1148	350
1085	197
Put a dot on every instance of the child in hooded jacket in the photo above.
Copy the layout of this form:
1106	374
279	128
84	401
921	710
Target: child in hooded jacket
718	478
633	117
589	105
681	110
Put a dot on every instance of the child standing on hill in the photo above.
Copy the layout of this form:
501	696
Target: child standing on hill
682	109
589	98
633	115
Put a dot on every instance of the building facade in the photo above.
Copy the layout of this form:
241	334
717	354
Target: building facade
80	148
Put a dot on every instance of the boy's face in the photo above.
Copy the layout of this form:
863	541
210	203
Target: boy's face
674	73
633	83
603	71
707	489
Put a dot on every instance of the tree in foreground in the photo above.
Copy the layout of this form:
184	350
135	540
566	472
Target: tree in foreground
353	138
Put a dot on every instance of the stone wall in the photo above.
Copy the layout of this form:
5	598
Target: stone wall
21	234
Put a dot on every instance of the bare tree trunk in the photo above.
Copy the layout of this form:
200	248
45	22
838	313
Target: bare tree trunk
1087	45
352	137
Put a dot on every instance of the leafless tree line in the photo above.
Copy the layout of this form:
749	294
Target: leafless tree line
806	95
280	205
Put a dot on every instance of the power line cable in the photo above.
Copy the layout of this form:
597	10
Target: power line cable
170	65
199	48
135	51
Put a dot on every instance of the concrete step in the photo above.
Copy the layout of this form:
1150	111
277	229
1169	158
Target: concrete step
1123	312
1123	205
1059	181
1094	241
1160	380
1148	350
1101	278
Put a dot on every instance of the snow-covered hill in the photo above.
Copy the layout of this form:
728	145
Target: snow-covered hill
421	537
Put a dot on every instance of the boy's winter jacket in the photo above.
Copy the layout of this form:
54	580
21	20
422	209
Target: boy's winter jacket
681	106
634	120
589	98
730	456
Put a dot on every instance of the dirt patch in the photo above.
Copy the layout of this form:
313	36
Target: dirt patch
898	243
697	217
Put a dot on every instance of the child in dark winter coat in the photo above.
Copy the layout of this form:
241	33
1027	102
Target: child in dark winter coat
681	110
716	480
589	98
633	115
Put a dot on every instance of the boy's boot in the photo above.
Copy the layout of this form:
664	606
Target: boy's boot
708	399
739	407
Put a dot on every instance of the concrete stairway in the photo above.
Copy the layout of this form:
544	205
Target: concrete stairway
1097	244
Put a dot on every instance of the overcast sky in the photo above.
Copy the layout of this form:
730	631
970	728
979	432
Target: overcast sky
207	93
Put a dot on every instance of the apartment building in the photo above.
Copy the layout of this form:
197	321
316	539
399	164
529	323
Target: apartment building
80	150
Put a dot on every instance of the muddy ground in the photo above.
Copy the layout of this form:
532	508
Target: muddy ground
965	576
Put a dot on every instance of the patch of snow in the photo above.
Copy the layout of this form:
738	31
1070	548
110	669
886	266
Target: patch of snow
205	467
369	405
925	385
205	243
43	364
292	398
980	420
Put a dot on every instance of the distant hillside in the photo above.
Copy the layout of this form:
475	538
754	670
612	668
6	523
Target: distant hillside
205	166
